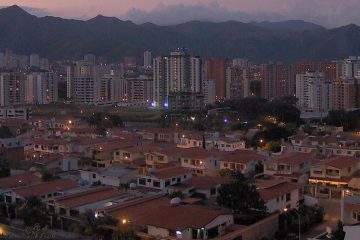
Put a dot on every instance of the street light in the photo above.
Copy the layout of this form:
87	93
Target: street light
298	215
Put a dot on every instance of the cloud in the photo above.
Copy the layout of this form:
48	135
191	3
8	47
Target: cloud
329	13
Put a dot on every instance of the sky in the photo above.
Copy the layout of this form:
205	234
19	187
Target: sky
329	13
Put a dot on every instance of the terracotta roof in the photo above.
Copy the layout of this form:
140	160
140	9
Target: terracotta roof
277	190
242	156
339	162
199	153
48	158
292	158
46	187
171	172
204	183
149	147
27	178
157	211
88	196
178	217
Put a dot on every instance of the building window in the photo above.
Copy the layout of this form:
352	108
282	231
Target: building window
167	183
354	215
213	191
288	197
142	181
149	180
156	184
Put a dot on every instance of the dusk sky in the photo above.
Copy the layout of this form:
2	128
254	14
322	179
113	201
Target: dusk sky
330	13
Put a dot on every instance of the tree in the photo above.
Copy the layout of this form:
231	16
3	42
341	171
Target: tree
5	132
4	169
34	212
46	175
339	233
38	233
90	224
177	194
124	232
240	196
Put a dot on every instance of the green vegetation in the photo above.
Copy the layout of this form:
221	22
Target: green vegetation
91	225
34	212
46	176
5	132
37	232
339	233
239	195
349	120
289	221
4	169
177	194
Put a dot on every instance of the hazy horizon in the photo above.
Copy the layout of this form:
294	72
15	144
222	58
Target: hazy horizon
328	13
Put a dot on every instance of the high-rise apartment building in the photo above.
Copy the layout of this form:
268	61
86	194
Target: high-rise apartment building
277	80
314	93
176	73
237	82
12	89
41	88
34	60
215	69
147	59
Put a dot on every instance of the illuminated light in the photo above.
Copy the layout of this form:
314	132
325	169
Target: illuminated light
96	215
124	221
70	122
153	104
225	120
261	140
166	105
178	234
192	118
201	162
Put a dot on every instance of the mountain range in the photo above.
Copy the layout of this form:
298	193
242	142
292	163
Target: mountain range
111	38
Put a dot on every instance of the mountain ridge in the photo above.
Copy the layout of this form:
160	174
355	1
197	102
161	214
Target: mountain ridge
112	38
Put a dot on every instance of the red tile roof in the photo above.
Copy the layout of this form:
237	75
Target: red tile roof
204	183
339	162
88	196
46	187
157	211
171	172
242	156
27	178
276	190
48	158
292	158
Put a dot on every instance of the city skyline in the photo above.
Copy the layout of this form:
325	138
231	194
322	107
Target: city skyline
329	13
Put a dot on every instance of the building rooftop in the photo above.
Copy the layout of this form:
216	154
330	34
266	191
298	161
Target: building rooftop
46	187
88	196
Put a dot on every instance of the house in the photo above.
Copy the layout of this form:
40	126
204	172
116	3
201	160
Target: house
111	176
350	210
162	178
241	160
204	187
202	162
229	144
330	176
11	149
45	190
161	218
73	204
158	135
127	155
293	166
278	194
162	156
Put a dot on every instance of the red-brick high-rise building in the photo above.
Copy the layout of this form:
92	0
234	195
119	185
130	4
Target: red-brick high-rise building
277	80
215	69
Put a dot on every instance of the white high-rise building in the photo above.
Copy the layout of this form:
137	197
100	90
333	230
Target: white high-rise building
351	67
34	60
12	89
196	74
86	83
160	82
90	58
314	93
147	59
41	88
209	91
